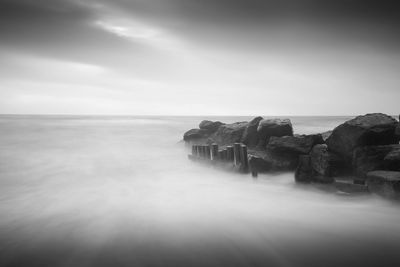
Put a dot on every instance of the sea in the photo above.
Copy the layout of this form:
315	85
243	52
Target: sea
120	191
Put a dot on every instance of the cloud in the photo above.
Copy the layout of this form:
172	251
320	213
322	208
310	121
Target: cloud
197	57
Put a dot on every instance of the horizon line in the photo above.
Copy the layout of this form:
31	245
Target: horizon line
182	115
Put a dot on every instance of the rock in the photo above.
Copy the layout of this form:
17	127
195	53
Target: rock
327	163
371	158
325	135
282	163
284	151
370	129
258	164
322	179
228	134
397	132
350	188
293	145
210	126
303	172
273	127
384	183
392	159
195	135
250	135
276	162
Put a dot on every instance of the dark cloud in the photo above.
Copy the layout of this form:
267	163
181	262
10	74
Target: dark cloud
66	30
259	24
246	24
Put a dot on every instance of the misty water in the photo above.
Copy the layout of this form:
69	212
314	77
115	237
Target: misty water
120	191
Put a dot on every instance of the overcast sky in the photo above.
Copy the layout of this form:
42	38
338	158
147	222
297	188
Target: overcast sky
199	57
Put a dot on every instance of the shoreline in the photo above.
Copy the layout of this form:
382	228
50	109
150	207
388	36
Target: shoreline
359	155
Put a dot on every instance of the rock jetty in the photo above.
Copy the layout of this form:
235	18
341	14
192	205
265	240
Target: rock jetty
363	152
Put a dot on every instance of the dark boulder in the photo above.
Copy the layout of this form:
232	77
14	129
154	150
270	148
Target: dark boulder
397	132
282	163
229	133
348	187
276	162
250	135
325	135
259	164
327	163
195	135
392	159
370	158
210	126
306	174
370	129
273	127
304	171
384	183
293	145
284	151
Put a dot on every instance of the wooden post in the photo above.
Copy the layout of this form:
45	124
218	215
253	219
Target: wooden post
224	154
197	151
208	152
243	158
229	153
193	150
236	152
254	173
220	156
202	151
214	150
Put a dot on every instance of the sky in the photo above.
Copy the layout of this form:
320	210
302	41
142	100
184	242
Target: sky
199	57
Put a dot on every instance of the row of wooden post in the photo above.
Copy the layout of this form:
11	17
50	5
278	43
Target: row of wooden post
236	154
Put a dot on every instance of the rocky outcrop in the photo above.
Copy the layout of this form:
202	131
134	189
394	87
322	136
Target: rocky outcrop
397	132
345	186
259	164
250	135
326	163
210	126
303	172
392	159
326	135
200	135
370	158
344	157
384	183
306	174
229	133
195	135
370	129
285	151
293	145
273	127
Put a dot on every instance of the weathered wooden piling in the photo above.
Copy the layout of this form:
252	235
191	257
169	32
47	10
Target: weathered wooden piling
208	152
224	154
220	156
202	151
214	150
236	152
229	153
243	158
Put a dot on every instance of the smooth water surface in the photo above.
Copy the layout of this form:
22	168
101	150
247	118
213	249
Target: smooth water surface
120	191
